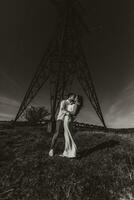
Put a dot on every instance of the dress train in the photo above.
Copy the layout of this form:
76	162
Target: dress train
70	146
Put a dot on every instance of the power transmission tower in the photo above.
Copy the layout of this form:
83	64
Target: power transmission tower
63	60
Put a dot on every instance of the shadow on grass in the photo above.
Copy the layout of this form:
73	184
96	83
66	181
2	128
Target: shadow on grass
104	145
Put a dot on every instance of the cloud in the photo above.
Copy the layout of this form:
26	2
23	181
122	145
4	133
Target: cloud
6	117
5	101
121	112
9	93
8	108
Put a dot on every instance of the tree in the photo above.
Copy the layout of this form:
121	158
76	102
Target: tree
36	114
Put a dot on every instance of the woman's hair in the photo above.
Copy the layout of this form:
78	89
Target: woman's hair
80	100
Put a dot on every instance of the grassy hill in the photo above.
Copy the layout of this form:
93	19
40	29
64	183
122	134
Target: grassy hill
103	169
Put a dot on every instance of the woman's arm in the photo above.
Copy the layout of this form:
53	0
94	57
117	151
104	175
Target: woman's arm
74	109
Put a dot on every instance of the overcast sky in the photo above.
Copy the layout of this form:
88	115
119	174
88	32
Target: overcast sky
25	30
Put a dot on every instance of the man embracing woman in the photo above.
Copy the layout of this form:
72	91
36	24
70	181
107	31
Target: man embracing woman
69	108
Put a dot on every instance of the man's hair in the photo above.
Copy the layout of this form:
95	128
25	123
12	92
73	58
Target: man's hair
71	94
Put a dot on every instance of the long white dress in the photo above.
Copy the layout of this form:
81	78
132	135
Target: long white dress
70	146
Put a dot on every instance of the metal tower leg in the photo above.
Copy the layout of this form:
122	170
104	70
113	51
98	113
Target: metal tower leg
86	81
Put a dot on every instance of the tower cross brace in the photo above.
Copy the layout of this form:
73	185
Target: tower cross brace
63	60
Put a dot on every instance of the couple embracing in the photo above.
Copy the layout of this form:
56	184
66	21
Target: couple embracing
69	108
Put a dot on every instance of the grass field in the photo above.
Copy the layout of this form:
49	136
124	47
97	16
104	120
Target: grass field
103	169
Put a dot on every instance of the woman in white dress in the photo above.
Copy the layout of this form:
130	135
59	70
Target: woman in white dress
70	146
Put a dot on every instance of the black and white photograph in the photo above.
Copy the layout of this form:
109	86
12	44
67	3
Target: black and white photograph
66	100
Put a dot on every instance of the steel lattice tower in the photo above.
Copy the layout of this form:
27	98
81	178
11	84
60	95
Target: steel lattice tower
63	60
